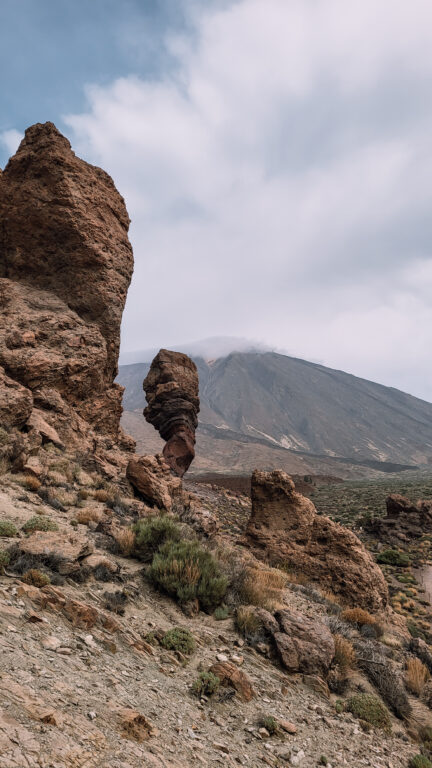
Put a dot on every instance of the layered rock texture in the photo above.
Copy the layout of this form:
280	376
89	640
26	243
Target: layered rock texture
65	267
171	388
285	528
405	520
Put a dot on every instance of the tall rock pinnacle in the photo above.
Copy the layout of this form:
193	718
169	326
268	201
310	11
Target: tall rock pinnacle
171	388
65	268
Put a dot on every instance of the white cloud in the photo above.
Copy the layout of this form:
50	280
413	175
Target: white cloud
11	139
279	183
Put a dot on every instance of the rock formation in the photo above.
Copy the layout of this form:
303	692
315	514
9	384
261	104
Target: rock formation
302	644
285	528
404	520
171	388
65	267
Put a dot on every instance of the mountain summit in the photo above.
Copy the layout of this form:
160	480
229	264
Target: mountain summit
285	404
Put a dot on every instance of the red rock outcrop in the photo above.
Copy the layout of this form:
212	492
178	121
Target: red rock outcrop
284	527
65	267
171	388
404	521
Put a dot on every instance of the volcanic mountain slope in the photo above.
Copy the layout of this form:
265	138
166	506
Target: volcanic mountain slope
288	412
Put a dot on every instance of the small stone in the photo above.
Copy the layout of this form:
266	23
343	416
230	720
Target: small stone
296	759
287	726
221	657
51	643
222	747
91	715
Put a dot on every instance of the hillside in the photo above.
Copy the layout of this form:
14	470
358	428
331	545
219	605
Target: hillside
276	410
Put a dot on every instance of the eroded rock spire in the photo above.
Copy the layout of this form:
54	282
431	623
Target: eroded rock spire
171	388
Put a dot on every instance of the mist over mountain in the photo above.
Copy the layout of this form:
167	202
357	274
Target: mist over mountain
291	406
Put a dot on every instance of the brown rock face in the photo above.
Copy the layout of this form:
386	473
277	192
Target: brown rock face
65	267
171	388
151	477
284	527
404	520
303	645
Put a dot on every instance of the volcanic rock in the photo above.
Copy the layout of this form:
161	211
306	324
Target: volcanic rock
65	267
152	478
303	645
404	520
230	675
171	388
284	528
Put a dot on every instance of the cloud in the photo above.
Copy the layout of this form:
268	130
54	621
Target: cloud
279	180
11	139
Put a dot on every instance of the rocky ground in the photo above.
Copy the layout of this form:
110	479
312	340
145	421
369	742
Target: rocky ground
82	687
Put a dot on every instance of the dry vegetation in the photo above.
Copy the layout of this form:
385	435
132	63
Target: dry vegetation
416	676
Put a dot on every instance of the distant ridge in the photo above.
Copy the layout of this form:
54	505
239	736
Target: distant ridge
293	406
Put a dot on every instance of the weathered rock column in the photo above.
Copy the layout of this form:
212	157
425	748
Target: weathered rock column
171	388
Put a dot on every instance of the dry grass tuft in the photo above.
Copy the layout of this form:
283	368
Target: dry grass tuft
293	577
87	515
416	676
125	539
246	622
345	655
357	616
30	482
102	495
263	587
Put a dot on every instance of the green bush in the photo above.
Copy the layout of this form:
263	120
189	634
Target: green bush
39	523
36	578
187	572
179	639
221	613
270	724
152	532
367	707
7	528
419	761
206	684
4	560
394	557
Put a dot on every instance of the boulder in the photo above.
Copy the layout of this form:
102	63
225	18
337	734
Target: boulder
303	645
171	388
284	528
152	478
66	550
16	402
230	675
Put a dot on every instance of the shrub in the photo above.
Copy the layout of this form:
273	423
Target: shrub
416	676
36	578
421	650
7	528
369	708
357	616
221	613
125	539
102	495
270	724
345	655
30	482
206	684
83	494
419	761
394	557
88	515
425	734
246	621
116	601
262	587
383	675
39	523
152	532
4	437
4	560
186	571
178	639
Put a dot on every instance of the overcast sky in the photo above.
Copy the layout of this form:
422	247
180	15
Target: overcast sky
275	157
